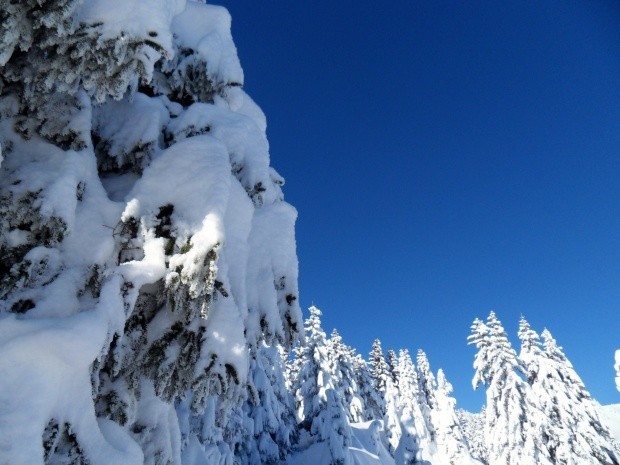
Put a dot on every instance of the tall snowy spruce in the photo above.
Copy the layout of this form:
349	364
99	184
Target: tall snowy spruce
320	406
472	427
586	439
414	434
509	432
450	440
147	259
383	380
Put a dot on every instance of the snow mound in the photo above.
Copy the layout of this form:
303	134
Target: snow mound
610	414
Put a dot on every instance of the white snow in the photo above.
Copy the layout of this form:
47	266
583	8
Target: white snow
617	368
225	198
135	18
610	415
366	448
206	29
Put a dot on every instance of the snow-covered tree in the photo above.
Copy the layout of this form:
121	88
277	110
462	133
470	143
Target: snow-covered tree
392	361
416	437
320	410
451	443
563	412
268	425
575	431
548	432
346	380
426	380
508	432
372	400
145	246
384	384
472	426
426	392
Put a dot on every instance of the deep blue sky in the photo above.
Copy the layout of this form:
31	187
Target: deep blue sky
447	159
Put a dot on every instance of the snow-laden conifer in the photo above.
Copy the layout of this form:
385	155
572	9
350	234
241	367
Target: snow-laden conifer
507	431
542	421
372	400
451	444
575	430
346	381
392	361
472	426
268	426
384	384
145	247
426	391
320	409
426	379
415	443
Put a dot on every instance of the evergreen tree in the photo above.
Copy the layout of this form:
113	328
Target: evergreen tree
346	380
416	438
268	427
320	410
472	426
122	226
372	401
426	392
450	440
577	435
508	433
392	360
548	433
379	367
426	380
383	382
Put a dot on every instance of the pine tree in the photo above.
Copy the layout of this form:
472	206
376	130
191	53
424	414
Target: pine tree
426	392
448	435
346	380
416	438
320	410
384	384
426	380
269	426
508	434
372	400
547	432
392	361
472	426
119	134
577	434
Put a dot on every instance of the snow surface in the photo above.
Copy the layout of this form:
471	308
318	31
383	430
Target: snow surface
610	415
366	448
136	18
206	29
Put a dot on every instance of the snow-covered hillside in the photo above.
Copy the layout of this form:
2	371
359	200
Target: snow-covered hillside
610	414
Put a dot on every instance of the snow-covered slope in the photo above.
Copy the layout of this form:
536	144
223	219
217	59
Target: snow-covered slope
366	448
610	415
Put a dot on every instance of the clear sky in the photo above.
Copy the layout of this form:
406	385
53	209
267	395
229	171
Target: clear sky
448	158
